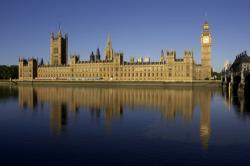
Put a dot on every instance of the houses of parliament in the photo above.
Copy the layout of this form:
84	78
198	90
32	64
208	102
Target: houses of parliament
114	67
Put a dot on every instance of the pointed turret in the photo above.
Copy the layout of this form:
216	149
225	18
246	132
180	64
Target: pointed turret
109	50
41	62
162	56
52	35
109	41
60	31
162	53
92	57
97	55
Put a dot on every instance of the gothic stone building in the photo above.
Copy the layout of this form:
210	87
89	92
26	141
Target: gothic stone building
113	67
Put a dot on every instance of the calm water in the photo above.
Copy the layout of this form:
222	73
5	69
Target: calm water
123	126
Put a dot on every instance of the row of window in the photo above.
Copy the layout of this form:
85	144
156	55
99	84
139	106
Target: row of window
116	75
112	69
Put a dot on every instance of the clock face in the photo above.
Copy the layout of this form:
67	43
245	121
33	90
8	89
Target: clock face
205	39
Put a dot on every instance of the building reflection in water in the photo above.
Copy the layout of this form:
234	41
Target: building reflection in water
241	102
58	117
112	101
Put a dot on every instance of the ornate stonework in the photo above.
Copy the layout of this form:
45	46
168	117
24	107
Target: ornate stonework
113	67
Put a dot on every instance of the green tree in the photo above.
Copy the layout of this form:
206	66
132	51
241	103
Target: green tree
7	72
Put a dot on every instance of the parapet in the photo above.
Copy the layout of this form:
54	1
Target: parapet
188	53
171	53
27	61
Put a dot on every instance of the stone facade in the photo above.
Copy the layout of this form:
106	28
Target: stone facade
113	67
27	69
206	52
58	49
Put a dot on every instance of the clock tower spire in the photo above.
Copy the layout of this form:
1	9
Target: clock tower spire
206	43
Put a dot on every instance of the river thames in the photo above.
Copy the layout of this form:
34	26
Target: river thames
123	126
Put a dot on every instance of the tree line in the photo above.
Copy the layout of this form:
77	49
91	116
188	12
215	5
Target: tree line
7	72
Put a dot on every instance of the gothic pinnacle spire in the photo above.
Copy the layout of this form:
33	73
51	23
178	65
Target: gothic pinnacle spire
60	31
206	26
162	52
109	40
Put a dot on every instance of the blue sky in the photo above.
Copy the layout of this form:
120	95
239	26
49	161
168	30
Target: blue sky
137	27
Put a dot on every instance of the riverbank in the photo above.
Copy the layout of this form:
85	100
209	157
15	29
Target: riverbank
5	82
196	83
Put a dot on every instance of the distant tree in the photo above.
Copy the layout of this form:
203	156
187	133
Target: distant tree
7	72
216	75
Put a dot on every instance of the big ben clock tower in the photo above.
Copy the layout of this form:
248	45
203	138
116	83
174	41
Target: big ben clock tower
206	41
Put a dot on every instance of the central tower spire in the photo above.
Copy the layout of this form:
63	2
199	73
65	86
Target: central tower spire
109	41
109	50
